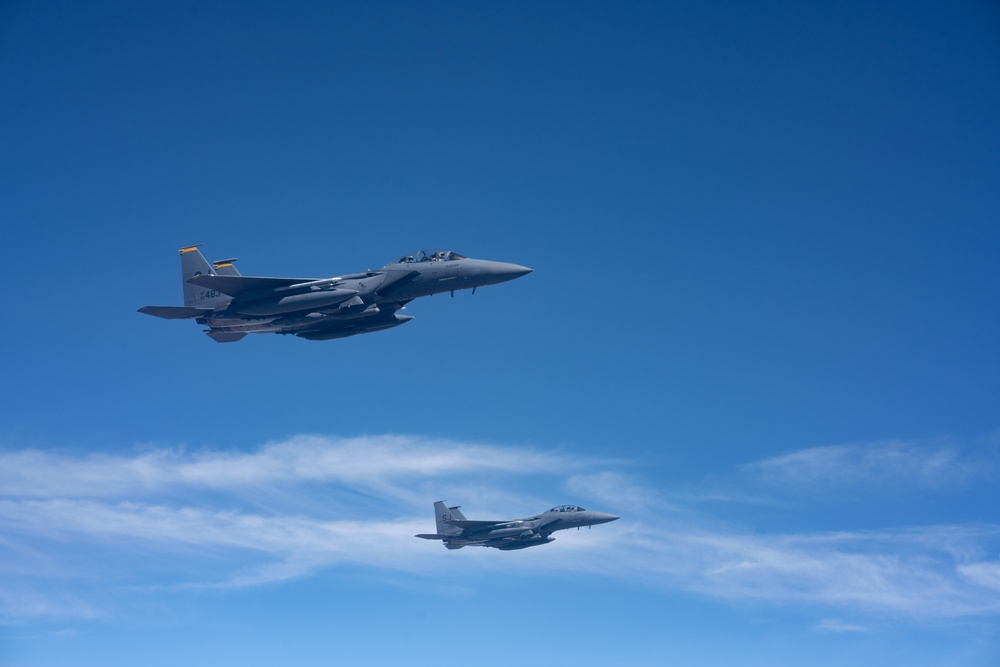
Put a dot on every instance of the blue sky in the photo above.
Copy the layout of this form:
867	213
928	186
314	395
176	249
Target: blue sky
761	328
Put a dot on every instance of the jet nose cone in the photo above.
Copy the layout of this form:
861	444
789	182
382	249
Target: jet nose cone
519	270
489	272
508	271
603	517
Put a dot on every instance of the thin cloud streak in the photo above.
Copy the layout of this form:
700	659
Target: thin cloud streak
890	462
885	469
839	626
305	458
898	573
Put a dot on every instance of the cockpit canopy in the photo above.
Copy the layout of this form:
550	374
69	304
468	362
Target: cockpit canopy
567	508
430	256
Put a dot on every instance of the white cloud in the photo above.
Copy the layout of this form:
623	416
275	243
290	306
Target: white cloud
986	574
890	463
237	519
898	572
837	625
23	601
617	488
918	573
367	461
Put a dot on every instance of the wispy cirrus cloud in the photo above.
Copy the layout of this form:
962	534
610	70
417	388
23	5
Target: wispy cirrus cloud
244	518
914	573
838	625
984	573
899	463
305	458
855	472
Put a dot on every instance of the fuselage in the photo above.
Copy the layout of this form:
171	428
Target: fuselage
523	533
357	303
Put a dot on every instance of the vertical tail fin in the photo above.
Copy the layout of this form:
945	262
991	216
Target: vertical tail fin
225	267
194	264
442	514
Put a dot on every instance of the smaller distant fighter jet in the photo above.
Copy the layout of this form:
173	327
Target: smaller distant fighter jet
231	305
456	531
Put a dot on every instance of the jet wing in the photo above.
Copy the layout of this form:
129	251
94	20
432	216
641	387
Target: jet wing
236	285
174	312
476	524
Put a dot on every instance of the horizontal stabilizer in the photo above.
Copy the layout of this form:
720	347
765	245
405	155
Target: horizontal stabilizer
174	312
236	285
434	537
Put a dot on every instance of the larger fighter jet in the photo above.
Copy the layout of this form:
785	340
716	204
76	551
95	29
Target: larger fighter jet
231	305
456	531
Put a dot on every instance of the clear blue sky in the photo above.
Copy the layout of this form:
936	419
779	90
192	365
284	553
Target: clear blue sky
762	328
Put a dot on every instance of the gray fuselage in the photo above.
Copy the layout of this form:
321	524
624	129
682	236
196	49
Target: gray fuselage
232	305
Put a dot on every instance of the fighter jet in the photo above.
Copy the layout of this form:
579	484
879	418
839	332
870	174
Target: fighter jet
232	305
456	531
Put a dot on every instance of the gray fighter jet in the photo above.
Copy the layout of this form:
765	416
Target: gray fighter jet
456	531
231	305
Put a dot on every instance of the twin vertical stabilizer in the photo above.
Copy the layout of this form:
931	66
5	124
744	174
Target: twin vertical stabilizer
445	531
443	514
194	264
